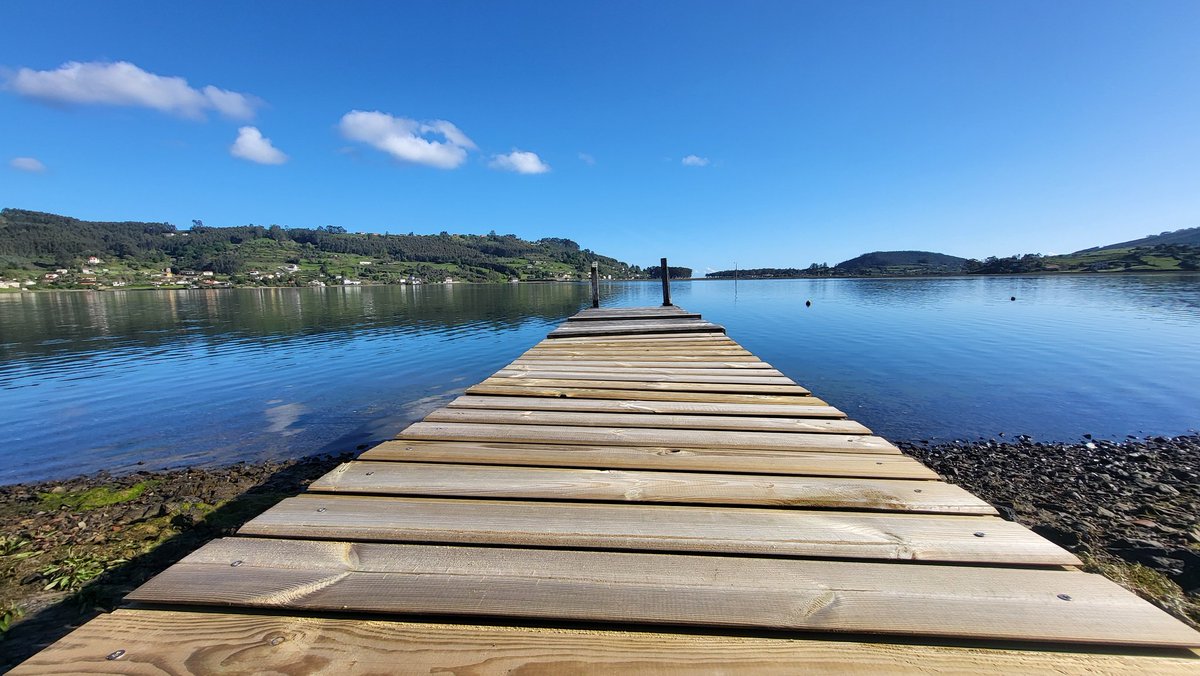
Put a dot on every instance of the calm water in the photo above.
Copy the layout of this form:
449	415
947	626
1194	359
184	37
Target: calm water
94	381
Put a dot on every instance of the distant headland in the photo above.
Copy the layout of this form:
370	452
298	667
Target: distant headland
1178	250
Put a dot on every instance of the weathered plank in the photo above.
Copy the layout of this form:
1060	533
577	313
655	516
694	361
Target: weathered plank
629	342
635	312
630	317
529	363
675	458
523	389
178	642
642	406
663	528
647	420
750	368
677	371
654	354
490	481
882	598
630	328
644	385
698	337
648	437
683	358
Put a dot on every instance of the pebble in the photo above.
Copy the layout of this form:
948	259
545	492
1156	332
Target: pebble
1136	499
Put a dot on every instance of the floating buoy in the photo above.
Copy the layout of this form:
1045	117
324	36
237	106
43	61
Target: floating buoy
808	303
1012	297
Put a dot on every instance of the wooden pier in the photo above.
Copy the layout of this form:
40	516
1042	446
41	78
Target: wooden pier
637	493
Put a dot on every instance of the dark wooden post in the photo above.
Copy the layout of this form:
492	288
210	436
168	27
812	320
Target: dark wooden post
666	280
595	284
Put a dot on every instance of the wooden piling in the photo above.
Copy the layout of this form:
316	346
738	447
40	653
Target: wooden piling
595	284
666	282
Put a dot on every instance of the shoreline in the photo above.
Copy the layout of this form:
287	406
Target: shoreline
71	549
1040	273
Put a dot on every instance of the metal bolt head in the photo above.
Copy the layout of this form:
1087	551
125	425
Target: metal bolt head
237	563
320	509
277	640
1065	597
979	534
115	655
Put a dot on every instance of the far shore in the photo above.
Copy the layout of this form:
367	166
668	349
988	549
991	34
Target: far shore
1067	273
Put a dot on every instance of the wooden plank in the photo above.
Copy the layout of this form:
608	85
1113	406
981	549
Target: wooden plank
501	387
644	385
490	481
798	594
663	340
678	370
647	376
740	360
523	389
618	342
631	317
604	328
593	364
661	528
777	462
570	362
616	436
620	312
647	420
629	327
179	642
652	353
638	340
641	406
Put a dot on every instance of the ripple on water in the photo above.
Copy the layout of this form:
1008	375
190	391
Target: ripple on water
212	377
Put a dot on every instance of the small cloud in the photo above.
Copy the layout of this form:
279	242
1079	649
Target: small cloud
587	159
409	140
29	164
252	145
694	161
122	83
520	161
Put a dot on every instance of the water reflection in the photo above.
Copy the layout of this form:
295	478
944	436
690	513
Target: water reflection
107	380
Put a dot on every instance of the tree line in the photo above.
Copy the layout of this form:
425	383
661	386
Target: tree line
30	237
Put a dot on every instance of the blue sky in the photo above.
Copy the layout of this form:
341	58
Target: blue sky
767	134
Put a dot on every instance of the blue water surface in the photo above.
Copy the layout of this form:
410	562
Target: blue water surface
152	379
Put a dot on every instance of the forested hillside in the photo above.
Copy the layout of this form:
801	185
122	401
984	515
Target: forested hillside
1184	236
35	243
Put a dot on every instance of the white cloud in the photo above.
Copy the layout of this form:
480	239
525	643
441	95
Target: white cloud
409	140
123	84
520	161
251	145
30	164
695	161
587	159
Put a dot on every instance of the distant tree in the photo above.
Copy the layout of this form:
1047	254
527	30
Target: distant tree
672	272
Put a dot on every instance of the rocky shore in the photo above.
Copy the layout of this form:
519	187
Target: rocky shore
71	549
1129	509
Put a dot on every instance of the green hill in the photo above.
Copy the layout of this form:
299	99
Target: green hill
901	263
34	245
1184	236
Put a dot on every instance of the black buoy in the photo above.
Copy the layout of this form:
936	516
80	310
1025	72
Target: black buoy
1012	297
808	303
